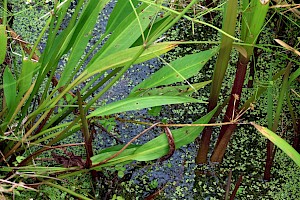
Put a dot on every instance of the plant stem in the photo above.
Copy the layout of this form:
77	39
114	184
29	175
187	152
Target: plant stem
228	184
86	134
255	17
5	13
294	120
226	131
218	75
237	185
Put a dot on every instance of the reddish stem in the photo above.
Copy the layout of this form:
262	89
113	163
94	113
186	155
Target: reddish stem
237	185
204	145
227	130
297	137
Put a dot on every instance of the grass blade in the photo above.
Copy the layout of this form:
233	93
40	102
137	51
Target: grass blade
3	42
123	36
82	37
121	10
278	141
229	24
80	196
186	67
159	146
184	90
121	58
10	89
25	79
137	103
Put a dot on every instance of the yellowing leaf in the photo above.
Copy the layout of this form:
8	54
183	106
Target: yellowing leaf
288	47
278	141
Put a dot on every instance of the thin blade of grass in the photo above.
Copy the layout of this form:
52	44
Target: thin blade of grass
71	192
25	79
229	24
10	89
121	10
278	141
3	42
186	66
137	103
184	90
84	34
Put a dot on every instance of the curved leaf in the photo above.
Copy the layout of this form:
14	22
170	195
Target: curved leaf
80	38
159	146
182	69
28	70
121	10
10	89
182	90
124	36
137	103
3	43
278	141
155	148
120	58
106	153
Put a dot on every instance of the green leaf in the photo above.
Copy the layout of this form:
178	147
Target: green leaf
278	141
10	89
155	111
124	36
137	103
155	148
108	152
123	57
253	23
182	69
228	26
155	29
17	193
121	10
3	42
79	44
20	158
159	146
153	184
294	75
92	8
25	79
183	90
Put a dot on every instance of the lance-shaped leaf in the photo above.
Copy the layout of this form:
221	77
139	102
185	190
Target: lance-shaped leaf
137	103
121	10
3	43
108	152
124	36
294	75
278	141
159	146
121	58
25	79
178	70
81	40
10	88
155	148
182	90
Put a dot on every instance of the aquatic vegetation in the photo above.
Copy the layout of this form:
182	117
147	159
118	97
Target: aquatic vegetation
54	103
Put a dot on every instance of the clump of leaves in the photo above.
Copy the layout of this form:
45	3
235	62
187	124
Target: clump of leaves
41	109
